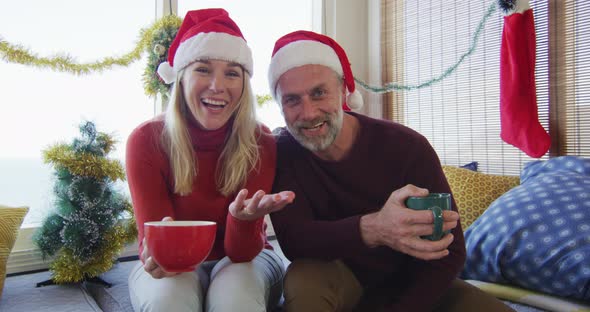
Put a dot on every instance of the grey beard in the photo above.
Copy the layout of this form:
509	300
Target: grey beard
334	124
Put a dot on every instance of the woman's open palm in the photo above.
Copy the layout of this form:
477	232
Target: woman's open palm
259	205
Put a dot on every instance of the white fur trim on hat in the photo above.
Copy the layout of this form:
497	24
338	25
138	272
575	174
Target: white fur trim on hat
209	46
299	53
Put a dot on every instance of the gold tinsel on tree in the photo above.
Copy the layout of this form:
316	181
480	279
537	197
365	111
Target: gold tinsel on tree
89	226
67	268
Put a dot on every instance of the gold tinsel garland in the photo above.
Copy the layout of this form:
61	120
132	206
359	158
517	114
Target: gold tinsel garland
63	62
85	164
148	42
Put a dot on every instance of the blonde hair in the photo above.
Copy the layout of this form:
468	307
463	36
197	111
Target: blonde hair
240	153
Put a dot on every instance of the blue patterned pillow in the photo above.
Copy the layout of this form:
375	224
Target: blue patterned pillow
471	166
537	235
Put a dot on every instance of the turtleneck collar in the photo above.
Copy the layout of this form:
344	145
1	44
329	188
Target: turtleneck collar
203	139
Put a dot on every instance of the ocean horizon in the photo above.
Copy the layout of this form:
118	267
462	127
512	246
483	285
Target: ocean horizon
27	181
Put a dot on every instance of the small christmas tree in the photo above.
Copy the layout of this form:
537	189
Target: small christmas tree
87	230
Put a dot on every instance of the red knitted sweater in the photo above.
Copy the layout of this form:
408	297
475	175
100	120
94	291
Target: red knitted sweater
151	185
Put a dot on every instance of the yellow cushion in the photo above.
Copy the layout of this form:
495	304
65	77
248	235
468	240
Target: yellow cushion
10	221
475	191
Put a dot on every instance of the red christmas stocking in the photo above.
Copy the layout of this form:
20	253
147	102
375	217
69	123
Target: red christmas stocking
518	96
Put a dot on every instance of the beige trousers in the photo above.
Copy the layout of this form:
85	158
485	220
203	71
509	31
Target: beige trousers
322	286
215	286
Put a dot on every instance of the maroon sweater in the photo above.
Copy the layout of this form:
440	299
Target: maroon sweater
151	184
331	197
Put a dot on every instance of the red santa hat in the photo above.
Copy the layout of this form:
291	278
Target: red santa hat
304	48
206	34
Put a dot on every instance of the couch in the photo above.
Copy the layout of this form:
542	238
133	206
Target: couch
482	200
528	236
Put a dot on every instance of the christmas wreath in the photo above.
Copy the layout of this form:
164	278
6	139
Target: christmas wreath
162	34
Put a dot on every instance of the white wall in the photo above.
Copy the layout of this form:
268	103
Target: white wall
355	25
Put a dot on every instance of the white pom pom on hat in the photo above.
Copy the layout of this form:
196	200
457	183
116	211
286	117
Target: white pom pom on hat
206	34
304	48
354	100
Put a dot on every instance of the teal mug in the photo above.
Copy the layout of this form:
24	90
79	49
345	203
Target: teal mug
437	203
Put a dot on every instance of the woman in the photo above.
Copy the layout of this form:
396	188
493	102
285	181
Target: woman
201	160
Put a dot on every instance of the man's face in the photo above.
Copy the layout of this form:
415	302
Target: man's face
311	100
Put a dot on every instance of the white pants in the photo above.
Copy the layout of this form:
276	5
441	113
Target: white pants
249	286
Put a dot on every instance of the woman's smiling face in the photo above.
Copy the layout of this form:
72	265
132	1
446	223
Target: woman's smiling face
212	90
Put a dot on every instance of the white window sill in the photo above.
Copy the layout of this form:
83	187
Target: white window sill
25	256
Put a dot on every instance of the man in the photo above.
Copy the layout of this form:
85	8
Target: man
352	242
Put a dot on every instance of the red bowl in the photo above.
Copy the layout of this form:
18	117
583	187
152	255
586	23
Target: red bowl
179	246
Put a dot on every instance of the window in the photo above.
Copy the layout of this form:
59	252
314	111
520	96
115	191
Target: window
42	107
460	115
